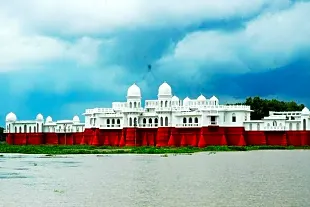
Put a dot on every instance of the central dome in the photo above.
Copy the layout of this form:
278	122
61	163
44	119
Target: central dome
164	90
201	98
134	91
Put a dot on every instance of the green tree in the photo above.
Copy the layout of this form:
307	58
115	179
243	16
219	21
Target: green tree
2	135
261	107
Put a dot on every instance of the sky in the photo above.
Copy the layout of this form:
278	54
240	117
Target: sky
59	57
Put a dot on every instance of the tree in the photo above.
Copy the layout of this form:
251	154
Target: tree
2	135
261	107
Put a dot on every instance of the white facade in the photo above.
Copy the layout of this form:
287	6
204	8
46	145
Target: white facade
166	111
281	121
39	125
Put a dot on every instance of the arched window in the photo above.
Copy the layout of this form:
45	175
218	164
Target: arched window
29	129
38	127
118	121
304	124
166	104
233	118
34	129
144	120
156	121
184	120
135	122
166	121
130	105
190	120
108	121
15	129
113	121
150	121
161	104
135	104
25	128
290	126
130	121
196	120
20	129
274	123
161	121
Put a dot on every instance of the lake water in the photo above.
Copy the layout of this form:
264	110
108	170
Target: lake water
249	179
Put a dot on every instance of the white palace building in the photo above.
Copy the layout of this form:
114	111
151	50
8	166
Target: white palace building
167	111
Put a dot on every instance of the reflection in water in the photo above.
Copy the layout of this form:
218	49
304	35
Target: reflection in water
258	178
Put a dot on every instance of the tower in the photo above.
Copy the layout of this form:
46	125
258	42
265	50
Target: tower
133	105
164	101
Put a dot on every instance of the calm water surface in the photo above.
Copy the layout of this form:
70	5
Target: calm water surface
249	179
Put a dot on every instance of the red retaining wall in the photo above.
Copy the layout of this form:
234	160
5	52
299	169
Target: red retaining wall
165	136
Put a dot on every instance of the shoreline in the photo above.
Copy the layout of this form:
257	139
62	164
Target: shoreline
86	149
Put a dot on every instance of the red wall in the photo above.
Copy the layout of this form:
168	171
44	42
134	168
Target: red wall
165	136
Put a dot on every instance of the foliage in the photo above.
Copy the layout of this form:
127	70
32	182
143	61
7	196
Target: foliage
261	107
2	135
50	150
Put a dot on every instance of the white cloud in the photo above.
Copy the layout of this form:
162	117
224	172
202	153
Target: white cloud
270	41
20	50
104	16
25	45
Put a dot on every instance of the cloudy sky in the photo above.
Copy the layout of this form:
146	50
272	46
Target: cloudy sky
59	57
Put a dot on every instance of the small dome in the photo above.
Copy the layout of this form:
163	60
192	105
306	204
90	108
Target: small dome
175	98
76	119
305	111
186	101
164	90
213	98
39	117
11	117
134	91
201	98
49	119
